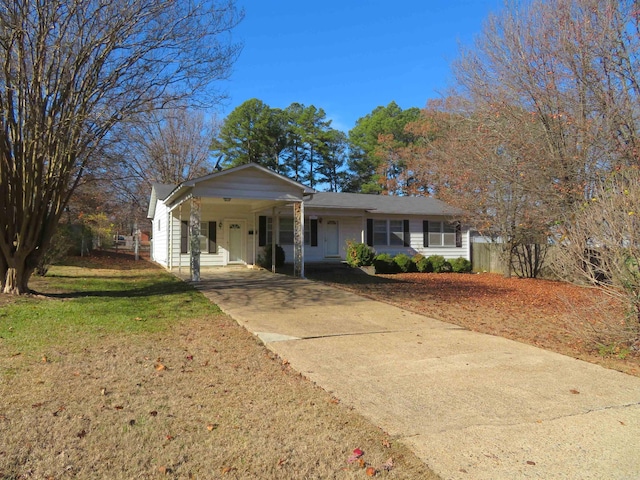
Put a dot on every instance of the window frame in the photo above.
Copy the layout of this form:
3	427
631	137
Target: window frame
441	234
396	232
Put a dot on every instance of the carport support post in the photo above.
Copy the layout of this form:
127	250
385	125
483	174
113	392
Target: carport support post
194	224
298	239
275	228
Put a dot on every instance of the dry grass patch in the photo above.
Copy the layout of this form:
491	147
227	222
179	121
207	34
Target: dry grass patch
196	397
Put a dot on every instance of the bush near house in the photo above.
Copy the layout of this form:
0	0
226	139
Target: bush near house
360	254
404	263
423	264
384	263
440	264
264	260
460	265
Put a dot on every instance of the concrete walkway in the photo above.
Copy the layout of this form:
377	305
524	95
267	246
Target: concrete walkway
472	406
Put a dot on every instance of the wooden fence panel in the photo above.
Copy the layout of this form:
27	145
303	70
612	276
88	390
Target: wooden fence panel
485	257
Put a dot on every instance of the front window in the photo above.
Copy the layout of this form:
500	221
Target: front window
396	235
388	233
380	232
287	231
442	234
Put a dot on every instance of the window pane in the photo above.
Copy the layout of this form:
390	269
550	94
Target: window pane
397	232
269	230
286	231
379	232
435	227
435	239
204	240
449	239
307	231
449	228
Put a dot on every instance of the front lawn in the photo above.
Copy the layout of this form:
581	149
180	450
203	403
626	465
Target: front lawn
118	370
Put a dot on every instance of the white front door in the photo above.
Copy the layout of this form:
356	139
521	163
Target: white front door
331	239
235	241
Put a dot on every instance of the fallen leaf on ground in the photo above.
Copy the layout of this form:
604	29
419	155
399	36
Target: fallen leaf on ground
212	426
388	465
357	453
160	367
575	392
371	472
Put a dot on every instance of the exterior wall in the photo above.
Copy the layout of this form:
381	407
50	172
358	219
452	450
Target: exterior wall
350	228
210	214
248	184
159	226
417	239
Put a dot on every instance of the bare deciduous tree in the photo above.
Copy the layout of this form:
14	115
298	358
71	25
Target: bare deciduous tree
168	146
71	70
547	106
600	248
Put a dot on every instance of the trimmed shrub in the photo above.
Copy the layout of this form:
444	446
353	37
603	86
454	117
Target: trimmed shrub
264	260
404	263
460	265
422	263
384	263
360	254
439	264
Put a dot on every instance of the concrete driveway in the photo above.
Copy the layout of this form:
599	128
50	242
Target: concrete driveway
472	406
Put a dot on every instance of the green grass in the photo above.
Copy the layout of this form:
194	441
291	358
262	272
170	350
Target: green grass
80	305
138	366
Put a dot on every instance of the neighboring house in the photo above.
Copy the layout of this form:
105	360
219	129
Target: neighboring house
227	218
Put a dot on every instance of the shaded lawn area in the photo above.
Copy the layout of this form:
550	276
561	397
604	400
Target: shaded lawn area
115	369
552	315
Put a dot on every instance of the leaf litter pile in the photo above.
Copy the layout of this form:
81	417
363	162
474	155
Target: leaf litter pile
200	399
556	316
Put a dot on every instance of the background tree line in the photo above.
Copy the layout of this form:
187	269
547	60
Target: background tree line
299	142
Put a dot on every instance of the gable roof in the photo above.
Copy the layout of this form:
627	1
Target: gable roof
385	204
159	191
246	166
234	171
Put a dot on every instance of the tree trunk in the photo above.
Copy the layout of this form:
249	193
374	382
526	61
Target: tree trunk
3	272
507	259
16	280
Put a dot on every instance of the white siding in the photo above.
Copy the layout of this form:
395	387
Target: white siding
248	184
417	239
159	235
212	214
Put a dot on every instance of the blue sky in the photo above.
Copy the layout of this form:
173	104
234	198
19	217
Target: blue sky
350	56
